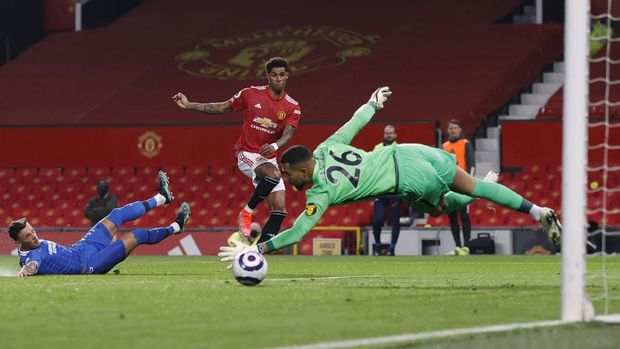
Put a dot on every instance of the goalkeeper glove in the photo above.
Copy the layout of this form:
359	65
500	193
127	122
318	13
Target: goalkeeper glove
227	253
379	97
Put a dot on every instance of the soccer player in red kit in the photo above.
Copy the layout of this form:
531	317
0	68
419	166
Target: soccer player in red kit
271	118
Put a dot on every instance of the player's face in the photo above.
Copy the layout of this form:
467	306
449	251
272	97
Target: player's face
277	79
28	238
454	130
296	175
389	134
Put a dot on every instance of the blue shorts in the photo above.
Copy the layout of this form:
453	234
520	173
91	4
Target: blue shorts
97	238
97	251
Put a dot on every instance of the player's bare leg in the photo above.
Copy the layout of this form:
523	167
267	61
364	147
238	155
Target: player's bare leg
268	176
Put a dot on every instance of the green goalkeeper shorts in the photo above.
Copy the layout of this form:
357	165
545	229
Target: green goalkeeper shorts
425	174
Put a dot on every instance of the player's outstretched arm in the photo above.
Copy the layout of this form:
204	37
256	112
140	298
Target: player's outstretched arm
361	117
316	206
304	223
211	108
28	269
286	238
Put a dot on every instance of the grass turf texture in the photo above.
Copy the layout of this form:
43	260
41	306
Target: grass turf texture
163	302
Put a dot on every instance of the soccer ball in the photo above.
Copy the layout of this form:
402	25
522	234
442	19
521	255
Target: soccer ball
249	268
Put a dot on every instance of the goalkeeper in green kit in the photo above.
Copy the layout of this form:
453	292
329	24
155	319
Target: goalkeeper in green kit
428	178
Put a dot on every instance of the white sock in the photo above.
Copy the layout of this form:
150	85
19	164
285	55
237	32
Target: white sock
248	209
176	227
160	199
535	212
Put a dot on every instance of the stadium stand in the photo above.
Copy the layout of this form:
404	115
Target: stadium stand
450	64
453	62
600	72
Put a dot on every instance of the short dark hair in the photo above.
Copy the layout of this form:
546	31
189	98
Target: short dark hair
454	121
16	226
295	155
276	62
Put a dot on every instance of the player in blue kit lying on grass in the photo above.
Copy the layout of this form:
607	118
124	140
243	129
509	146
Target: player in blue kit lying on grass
99	250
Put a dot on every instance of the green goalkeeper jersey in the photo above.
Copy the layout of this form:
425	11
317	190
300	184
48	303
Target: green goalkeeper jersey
343	174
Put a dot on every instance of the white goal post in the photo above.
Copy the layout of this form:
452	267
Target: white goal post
575	159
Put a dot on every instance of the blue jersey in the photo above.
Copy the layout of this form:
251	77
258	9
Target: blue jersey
53	258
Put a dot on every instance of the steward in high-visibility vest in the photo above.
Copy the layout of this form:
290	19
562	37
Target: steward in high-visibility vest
458	145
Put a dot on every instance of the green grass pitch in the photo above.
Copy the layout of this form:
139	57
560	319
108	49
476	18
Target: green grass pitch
194	302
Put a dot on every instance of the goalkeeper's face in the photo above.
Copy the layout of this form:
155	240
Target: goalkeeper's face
297	175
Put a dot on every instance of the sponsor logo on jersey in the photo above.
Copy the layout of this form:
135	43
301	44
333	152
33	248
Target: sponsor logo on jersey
257	106
310	209
243	56
265	122
150	144
51	247
281	115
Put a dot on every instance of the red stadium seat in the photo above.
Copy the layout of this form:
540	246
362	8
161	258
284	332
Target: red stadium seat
132	180
440	221
6	173
26	174
58	221
99	172
49	173
214	221
73	216
221	172
147	172
361	214
43	191
34	221
123	172
70	190
73	172
535	171
55	197
246	188
174	172
197	171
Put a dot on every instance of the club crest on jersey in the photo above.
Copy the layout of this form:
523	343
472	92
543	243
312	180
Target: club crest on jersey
281	115
243	56
310	209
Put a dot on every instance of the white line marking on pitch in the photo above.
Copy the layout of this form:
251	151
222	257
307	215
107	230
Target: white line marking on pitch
409	337
329	278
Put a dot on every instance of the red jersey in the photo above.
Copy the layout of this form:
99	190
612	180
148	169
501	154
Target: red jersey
265	117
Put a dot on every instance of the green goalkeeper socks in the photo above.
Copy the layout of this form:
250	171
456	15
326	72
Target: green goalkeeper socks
493	192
